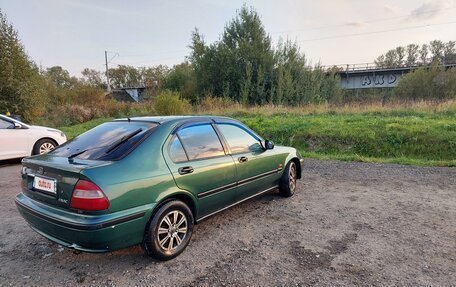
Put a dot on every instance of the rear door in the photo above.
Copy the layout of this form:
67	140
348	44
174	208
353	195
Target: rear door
198	161
256	169
13	141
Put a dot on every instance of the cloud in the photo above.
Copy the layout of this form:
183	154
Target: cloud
392	9
430	10
356	23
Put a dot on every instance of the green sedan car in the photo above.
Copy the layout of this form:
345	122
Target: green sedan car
148	180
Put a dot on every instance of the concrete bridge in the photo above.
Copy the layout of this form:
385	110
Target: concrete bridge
368	76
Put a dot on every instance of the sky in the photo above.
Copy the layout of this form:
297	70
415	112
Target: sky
75	33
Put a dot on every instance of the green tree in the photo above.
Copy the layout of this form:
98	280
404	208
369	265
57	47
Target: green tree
391	58
243	58
245	66
181	79
154	75
436	52
449	53
412	54
125	76
424	54
400	52
93	78
246	84
60	77
21	86
437	48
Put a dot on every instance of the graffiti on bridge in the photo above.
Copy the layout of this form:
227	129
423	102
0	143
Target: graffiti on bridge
379	80
373	80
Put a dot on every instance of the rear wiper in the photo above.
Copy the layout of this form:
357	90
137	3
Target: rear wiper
122	140
70	158
76	154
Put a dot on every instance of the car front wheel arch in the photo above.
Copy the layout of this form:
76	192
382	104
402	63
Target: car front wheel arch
298	166
38	143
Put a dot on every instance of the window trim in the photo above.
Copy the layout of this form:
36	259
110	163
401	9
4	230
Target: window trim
175	133
176	136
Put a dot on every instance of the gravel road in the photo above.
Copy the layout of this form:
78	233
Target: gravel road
350	224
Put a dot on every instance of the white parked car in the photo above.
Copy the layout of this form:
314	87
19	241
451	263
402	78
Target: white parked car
19	140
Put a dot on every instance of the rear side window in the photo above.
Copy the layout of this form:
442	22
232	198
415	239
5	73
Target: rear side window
200	142
108	141
176	150
239	139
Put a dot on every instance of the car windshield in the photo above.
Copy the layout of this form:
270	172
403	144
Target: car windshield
108	141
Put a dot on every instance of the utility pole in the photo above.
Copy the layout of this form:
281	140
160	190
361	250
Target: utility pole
107	71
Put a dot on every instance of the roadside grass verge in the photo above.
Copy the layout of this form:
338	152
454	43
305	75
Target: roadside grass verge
422	134
408	138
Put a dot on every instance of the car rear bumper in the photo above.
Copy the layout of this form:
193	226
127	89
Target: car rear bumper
90	233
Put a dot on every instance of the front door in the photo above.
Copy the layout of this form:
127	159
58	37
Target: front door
256	169
199	164
14	141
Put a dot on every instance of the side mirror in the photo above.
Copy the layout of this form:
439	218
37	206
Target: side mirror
17	125
268	144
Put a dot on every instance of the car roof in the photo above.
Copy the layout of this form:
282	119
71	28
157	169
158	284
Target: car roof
163	119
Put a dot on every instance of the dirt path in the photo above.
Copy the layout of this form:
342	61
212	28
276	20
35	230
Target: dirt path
349	224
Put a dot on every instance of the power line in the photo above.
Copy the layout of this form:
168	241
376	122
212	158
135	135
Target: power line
134	55
364	22
305	40
112	58
376	32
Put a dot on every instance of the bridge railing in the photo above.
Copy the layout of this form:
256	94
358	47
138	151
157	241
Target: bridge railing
373	66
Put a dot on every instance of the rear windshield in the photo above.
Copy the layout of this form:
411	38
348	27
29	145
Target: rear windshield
108	141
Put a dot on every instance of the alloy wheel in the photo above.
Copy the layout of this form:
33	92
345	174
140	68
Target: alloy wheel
172	230
292	176
46	147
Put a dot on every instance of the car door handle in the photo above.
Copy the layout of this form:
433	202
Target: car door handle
243	159
185	170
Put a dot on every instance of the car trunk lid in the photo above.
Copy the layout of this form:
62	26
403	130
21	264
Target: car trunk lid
51	179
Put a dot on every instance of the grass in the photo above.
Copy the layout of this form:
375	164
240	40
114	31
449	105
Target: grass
420	139
417	134
75	130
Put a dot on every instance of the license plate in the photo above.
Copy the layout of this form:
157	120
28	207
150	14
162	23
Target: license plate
44	184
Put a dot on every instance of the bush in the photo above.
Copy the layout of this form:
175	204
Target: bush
428	84
70	114
210	103
170	103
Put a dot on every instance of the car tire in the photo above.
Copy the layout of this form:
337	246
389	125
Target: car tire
287	185
169	231
43	146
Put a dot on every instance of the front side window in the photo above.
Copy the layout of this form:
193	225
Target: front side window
201	141
5	124
238	139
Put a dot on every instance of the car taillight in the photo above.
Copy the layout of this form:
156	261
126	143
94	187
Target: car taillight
88	196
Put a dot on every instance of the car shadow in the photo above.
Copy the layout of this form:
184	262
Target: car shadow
7	162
